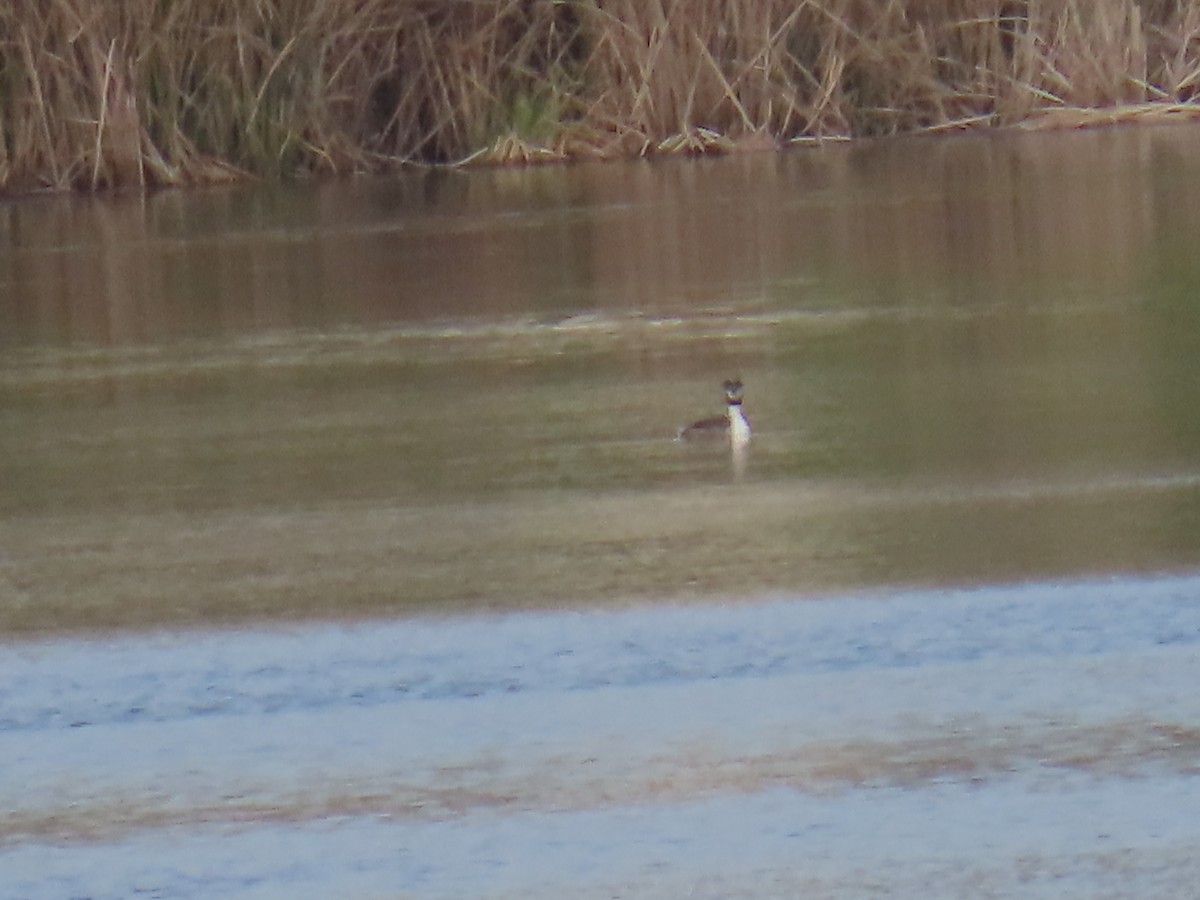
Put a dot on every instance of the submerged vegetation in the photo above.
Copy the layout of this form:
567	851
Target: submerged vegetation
139	92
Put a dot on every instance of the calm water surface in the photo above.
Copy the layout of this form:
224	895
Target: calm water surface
968	359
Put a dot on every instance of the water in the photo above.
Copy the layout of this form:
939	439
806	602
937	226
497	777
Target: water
1032	740
967	360
970	362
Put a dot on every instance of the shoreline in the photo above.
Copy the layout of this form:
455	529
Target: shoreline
702	142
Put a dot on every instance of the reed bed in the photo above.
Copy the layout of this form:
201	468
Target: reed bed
144	93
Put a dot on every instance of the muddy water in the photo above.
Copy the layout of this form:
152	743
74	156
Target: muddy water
967	359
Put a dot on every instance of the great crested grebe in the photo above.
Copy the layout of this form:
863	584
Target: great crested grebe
733	423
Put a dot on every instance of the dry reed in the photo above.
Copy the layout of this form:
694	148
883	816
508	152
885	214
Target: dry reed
143	93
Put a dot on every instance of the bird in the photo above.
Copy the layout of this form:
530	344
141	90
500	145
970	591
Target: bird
733	424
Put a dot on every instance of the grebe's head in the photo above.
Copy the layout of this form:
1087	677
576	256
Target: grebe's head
733	392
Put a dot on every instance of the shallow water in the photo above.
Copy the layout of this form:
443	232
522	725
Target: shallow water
967	360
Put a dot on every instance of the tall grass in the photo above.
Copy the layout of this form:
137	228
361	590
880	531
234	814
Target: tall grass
145	92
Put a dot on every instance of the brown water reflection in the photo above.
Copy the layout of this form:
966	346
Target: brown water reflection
948	222
967	359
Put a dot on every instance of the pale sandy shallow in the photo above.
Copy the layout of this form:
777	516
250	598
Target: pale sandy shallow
1038	740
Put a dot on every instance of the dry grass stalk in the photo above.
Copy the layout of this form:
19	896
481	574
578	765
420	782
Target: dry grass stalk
135	92
1139	113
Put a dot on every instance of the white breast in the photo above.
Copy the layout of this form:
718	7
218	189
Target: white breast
739	428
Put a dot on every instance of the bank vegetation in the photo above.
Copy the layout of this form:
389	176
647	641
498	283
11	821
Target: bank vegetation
143	93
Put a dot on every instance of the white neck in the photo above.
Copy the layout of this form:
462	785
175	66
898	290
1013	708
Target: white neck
739	428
